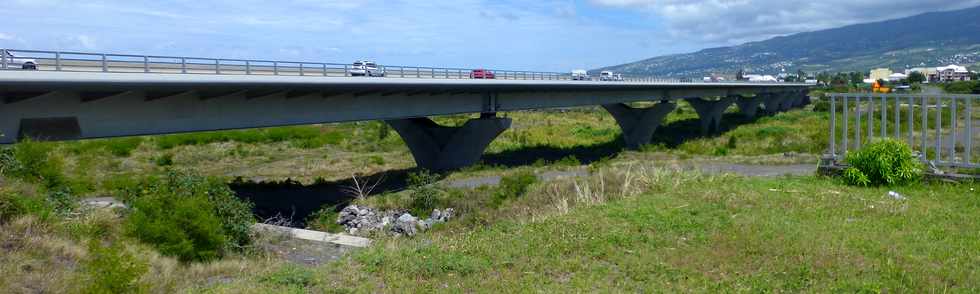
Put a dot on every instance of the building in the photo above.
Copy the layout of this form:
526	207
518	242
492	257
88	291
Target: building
760	78
880	74
951	73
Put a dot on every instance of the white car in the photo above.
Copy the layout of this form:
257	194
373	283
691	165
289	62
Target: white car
17	62
366	68
607	76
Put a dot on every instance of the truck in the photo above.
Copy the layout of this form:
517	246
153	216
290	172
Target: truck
580	75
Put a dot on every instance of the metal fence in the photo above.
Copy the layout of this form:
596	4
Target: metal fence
942	128
126	63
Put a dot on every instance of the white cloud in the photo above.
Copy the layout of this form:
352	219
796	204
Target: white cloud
737	21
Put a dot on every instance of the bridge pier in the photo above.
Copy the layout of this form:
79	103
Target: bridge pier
442	148
638	124
710	112
749	106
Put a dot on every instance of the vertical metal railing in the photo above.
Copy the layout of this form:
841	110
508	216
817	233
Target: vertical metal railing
943	133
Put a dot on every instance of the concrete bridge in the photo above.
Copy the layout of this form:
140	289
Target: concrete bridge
64	105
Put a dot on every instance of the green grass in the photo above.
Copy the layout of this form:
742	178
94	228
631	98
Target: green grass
703	234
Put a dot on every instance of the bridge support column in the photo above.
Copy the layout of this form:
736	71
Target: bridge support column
771	102
638	124
442	148
749	106
710	112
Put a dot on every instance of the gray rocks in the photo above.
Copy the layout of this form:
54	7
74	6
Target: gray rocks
363	220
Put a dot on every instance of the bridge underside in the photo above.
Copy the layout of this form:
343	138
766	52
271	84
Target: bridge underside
128	105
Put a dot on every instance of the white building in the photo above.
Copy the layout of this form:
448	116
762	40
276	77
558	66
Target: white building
895	77
761	78
951	73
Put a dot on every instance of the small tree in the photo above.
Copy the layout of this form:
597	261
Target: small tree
916	77
857	78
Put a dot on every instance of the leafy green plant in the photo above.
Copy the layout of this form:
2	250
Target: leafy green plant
111	269
513	186
166	159
205	199
425	195
325	220
883	162
181	226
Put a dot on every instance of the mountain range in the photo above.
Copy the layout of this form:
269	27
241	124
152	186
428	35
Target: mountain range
929	39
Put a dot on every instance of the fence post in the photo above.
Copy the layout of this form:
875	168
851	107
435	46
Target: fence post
952	132
939	129
833	128
183	65
217	66
3	57
884	117
57	61
925	127
146	63
105	65
301	69
871	117
324	66
857	122
911	121
968	156
846	119
275	68
898	119
248	67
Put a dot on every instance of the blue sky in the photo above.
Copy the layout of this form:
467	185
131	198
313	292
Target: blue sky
553	35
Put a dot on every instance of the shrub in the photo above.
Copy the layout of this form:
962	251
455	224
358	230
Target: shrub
424	194
111	269
513	186
13	205
31	161
883	162
166	159
211	198
183	226
325	220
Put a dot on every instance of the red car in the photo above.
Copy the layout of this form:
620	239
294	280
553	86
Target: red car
482	74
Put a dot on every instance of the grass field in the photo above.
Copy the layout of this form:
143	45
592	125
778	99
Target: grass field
632	225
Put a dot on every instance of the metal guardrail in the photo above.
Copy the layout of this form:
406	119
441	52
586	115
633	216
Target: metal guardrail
941	128
128	63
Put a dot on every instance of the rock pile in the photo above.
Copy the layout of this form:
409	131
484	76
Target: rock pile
359	220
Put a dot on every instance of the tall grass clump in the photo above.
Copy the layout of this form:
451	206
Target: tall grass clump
883	162
192	217
425	194
111	269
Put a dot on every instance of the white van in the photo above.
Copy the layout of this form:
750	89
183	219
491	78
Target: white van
580	75
606	76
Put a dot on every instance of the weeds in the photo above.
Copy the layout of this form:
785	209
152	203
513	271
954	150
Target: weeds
883	162
111	269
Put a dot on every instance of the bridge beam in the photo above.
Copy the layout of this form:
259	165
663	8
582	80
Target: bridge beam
442	148
710	112
749	106
638	124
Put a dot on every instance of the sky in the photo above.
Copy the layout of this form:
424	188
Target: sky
544	35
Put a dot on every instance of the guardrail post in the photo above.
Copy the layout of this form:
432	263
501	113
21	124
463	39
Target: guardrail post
275	68
418	72
401	71
301	69
217	66
324	69
346	70
57	61
146	63
833	127
248	67
3	52
968	156
183	65
105	65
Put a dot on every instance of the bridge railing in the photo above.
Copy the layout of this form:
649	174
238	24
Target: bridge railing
942	128
128	63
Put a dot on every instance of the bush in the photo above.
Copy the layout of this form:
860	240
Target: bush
111	269
182	226
424	194
883	162
14	205
204	199
513	186
32	162
166	159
